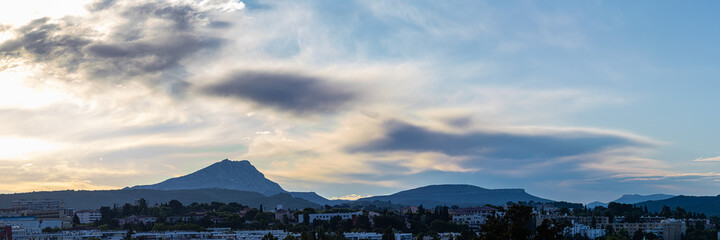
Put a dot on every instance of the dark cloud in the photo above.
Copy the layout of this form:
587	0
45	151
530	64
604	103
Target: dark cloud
402	136
44	42
288	92
135	49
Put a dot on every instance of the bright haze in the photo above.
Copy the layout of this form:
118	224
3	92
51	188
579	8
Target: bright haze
570	100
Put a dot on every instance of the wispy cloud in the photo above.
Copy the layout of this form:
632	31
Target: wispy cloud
710	159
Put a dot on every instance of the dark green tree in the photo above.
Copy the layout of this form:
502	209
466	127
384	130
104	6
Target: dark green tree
269	236
76	220
388	234
494	228
550	230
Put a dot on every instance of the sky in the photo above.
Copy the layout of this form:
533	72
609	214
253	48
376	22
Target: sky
571	100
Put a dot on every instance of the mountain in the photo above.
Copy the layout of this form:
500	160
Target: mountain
709	205
233	175
636	198
95	199
461	195
226	174
631	199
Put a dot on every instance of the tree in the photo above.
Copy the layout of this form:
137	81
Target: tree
363	223
550	230
388	234
466	235
519	217
269	236
129	234
638	235
494	228
76	220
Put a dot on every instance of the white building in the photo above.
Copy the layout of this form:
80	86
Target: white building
328	216
584	230
375	236
473	217
88	216
37	204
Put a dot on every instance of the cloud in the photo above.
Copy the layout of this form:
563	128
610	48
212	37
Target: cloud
293	93
710	159
132	40
402	136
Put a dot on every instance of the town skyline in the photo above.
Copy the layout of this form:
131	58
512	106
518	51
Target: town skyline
572	101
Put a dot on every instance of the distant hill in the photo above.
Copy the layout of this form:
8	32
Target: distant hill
636	198
314	197
709	205
95	199
631	199
226	174
461	195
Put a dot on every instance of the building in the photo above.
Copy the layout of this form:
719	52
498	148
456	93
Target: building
409	209
375	236
137	220
598	222
5	232
37	204
584	230
473	217
281	215
88	216
328	216
672	229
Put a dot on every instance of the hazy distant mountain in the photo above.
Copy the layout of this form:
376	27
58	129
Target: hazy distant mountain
709	205
461	195
631	199
636	198
226	174
95	199
314	197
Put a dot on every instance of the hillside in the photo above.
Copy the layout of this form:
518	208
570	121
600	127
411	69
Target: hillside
461	195
95	199
709	205
314	197
631	199
636	198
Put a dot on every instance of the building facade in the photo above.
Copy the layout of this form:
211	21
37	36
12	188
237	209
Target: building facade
88	216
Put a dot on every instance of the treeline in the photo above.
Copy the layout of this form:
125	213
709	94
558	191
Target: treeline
221	215
252	219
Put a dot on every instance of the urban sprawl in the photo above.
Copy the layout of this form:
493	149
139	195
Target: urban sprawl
49	219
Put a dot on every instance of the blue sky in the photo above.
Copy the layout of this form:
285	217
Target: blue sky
571	100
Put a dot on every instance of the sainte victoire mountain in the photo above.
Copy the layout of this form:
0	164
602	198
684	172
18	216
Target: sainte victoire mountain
226	174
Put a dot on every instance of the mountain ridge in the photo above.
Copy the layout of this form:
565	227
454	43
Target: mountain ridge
456	194
709	205
632	199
